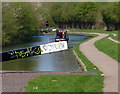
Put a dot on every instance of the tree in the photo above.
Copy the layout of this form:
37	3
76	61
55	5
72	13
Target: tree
9	27
55	12
19	22
26	20
85	14
111	16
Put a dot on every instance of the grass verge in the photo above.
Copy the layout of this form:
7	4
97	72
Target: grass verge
89	65
69	83
65	83
93	31
117	37
108	47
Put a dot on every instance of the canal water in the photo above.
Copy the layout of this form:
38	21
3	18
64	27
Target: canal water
59	61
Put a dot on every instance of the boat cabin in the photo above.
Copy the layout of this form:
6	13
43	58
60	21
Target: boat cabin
61	35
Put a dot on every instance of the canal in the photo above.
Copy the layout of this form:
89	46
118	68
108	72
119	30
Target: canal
59	61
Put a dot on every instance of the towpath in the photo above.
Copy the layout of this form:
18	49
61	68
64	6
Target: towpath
105	63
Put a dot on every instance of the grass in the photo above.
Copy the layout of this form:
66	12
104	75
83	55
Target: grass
89	65
117	37
89	31
108	47
93	31
65	83
69	83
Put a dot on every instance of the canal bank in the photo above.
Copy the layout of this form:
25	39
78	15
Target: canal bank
86	64
90	68
90	77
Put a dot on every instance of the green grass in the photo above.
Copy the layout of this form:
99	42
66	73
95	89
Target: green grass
65	83
117	37
69	83
89	65
108	47
93	31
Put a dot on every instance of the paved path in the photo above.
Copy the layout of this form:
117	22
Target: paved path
15	81
113	40
105	63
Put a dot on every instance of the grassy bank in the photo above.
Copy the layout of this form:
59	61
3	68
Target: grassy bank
65	83
89	65
117	37
69	83
108	47
93	31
